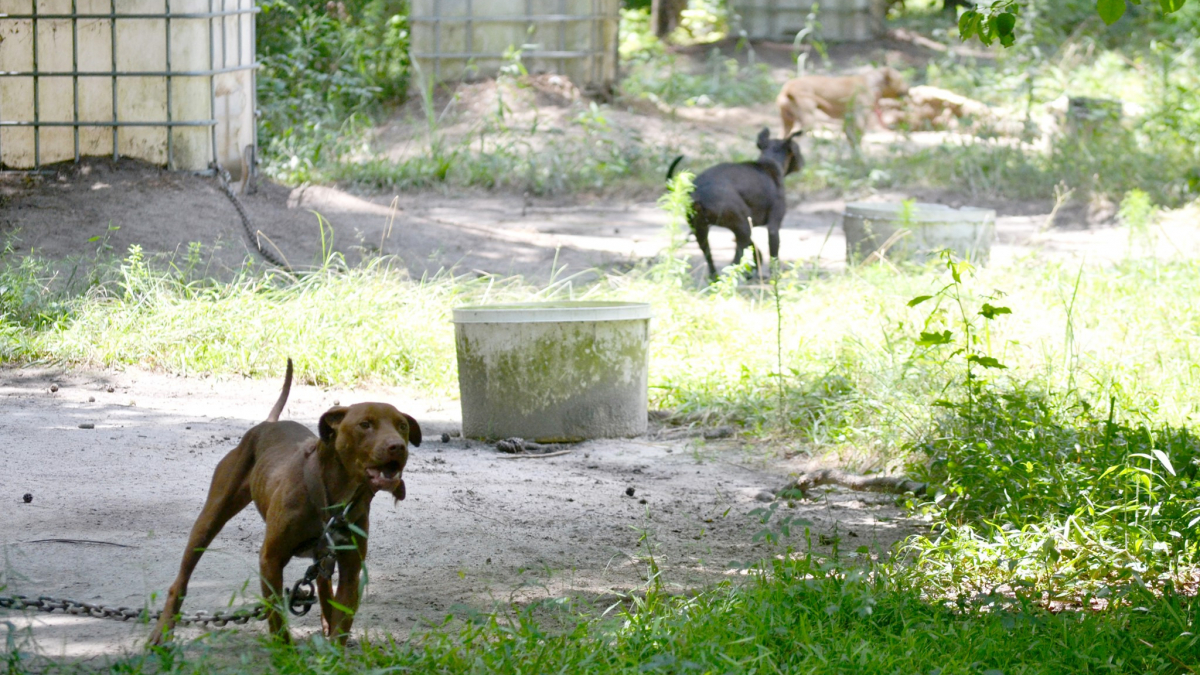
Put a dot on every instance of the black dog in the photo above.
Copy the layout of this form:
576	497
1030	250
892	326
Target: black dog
736	195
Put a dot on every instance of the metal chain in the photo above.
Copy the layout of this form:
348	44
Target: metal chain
301	598
243	615
304	592
223	181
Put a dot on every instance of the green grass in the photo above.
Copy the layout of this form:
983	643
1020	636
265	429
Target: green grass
1066	480
798	615
847	338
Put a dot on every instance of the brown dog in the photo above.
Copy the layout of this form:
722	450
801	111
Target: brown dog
314	492
849	98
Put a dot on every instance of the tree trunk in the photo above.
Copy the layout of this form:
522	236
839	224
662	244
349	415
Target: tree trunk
665	16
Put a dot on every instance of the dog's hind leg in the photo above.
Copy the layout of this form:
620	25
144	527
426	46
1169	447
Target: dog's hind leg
741	224
228	494
700	228
271	560
787	115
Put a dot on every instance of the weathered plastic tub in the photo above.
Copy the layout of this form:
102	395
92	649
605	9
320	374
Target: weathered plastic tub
884	229
554	371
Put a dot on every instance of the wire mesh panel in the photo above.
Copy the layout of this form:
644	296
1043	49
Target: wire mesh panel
170	82
841	20
467	39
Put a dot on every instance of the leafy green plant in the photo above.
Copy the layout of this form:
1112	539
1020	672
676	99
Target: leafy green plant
1137	213
323	74
671	266
975	344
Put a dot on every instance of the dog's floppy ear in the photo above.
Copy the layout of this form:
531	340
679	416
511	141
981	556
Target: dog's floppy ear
795	134
330	421
414	431
763	137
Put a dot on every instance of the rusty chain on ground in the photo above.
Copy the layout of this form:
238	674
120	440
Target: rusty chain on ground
223	182
301	598
43	603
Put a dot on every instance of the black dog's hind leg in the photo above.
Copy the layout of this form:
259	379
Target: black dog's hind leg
700	228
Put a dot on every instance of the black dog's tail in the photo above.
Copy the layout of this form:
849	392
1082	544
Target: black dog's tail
671	171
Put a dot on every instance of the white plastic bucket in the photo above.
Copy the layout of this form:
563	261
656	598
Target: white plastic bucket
889	230
555	371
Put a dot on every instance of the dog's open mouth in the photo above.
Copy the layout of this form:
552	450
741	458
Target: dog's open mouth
387	477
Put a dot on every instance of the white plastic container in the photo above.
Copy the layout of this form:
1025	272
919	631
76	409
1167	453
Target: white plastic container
170	82
877	230
553	372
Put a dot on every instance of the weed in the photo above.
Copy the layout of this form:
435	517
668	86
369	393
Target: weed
322	77
671	266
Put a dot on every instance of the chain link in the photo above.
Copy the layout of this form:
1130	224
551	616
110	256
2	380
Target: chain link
240	616
301	598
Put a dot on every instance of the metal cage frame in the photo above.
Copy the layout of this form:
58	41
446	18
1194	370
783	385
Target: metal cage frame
74	16
560	54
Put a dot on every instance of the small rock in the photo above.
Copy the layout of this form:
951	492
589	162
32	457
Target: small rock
28	497
91	399
764	496
109	389
511	445
53	388
187	427
629	491
445	437
718	432
489	561
337	402
642	500
87	425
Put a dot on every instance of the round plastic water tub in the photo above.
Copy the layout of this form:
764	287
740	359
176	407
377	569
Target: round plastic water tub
877	230
554	371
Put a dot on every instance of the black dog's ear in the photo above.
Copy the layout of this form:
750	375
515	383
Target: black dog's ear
795	134
414	430
330	422
763	137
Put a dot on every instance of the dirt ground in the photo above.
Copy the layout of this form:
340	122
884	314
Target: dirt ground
112	505
101	208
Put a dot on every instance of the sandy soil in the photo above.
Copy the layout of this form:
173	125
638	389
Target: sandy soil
113	503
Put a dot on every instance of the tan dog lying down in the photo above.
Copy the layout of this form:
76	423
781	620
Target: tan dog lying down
314	492
934	108
848	98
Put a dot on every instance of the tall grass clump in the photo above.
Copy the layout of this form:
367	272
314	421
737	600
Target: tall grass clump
326	70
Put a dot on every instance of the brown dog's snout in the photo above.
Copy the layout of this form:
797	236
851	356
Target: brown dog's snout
395	455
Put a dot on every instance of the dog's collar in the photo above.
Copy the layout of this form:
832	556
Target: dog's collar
336	518
775	169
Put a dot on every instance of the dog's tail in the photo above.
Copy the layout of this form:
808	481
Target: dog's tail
671	171
287	389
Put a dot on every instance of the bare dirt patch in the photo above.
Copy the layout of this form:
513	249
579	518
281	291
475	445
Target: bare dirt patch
477	528
99	207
